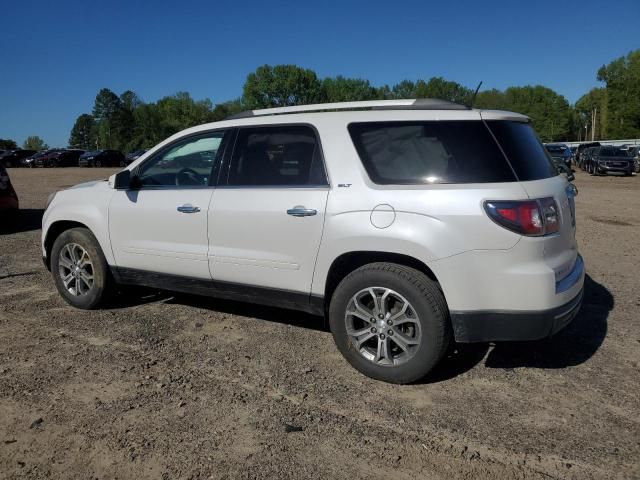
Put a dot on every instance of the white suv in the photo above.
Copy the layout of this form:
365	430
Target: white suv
406	223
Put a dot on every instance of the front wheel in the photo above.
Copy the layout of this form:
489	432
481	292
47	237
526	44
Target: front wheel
390	322
80	271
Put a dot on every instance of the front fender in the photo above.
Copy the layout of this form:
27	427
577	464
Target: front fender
88	206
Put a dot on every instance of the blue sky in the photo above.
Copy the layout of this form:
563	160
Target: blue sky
57	55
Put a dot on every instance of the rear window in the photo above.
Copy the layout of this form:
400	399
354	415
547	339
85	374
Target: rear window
524	150
403	153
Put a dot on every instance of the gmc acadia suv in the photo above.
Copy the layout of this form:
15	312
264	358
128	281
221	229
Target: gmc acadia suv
407	223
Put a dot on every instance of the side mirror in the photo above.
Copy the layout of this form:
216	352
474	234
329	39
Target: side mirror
565	169
122	180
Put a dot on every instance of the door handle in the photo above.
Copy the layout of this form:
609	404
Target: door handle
188	208
299	211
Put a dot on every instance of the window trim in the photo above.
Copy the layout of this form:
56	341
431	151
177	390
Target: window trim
225	169
213	182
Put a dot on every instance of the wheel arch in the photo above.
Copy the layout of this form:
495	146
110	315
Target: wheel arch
54	231
350	261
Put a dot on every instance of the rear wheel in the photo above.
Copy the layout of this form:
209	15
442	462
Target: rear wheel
97	163
79	269
390	322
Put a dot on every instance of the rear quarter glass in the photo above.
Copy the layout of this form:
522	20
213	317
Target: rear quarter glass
526	154
427	152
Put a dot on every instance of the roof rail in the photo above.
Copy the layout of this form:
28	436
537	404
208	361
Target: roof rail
403	104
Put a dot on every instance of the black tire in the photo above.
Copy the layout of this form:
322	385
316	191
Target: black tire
123	163
102	287
424	297
97	163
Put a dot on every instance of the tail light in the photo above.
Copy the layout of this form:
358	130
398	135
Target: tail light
527	217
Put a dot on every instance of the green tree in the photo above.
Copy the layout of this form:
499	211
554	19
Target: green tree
438	87
147	129
404	89
341	89
122	120
105	111
106	105
7	144
596	99
549	111
83	133
34	143
491	99
281	86
223	110
622	79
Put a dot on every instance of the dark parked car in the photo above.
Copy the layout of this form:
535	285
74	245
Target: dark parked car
46	159
31	161
559	153
580	153
60	158
13	158
634	153
606	159
8	198
132	156
102	158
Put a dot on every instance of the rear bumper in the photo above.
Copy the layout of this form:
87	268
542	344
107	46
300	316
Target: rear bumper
501	325
472	327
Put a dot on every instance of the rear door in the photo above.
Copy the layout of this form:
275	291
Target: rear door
267	214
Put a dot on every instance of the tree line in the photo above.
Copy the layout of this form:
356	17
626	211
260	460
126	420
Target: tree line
125	122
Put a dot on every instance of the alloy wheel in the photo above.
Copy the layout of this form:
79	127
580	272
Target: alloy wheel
383	326
75	269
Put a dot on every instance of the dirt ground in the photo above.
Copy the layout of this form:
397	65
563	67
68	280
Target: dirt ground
162	386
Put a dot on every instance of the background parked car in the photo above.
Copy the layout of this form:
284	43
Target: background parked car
580	151
8	198
30	161
102	158
585	159
62	158
46	159
634	152
13	158
606	159
559	153
132	156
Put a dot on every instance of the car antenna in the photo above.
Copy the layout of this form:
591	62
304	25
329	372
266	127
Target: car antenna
473	99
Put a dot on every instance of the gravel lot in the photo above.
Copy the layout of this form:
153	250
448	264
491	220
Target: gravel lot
162	386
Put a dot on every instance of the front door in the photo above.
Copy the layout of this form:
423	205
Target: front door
160	225
267	214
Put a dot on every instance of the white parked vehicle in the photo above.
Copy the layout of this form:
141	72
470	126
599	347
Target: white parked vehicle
406	222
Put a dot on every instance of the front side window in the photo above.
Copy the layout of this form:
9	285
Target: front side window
187	163
404	153
277	156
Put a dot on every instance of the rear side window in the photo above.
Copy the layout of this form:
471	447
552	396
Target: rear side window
277	156
524	150
404	153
